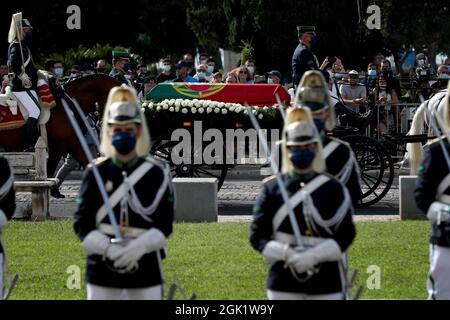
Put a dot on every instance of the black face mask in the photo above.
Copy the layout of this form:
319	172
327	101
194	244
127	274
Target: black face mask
28	36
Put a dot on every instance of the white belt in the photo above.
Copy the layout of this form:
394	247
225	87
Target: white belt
130	232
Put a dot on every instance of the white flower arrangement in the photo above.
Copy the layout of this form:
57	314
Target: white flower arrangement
186	106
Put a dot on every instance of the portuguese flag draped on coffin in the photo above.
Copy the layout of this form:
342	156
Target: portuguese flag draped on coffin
253	94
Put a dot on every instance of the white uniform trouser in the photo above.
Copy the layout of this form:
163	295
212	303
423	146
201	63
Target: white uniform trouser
95	292
28	103
1	276
279	295
438	283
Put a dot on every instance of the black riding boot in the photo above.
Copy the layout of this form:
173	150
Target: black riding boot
31	134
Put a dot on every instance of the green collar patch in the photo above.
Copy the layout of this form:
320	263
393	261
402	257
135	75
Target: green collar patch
121	164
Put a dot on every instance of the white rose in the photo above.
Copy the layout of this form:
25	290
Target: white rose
177	104
171	101
221	104
209	110
197	104
266	108
144	104
260	116
190	104
224	111
216	110
232	109
184	103
177	109
193	110
165	106
184	110
254	111
171	109
245	111
158	108
201	110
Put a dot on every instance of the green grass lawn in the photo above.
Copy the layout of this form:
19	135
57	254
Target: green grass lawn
216	261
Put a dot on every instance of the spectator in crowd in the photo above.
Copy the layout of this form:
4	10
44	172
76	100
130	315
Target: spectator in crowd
189	58
75	72
250	65
447	62
217	78
200	76
244	75
274	77
353	94
87	69
203	58
147	85
377	60
141	69
210	68
443	75
167	73
231	78
183	68
4	75
102	66
54	71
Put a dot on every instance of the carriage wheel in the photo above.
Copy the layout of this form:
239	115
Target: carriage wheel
376	166
162	149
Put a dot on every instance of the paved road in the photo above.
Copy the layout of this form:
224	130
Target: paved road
236	197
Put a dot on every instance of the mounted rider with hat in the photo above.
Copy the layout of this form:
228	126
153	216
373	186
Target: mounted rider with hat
24	75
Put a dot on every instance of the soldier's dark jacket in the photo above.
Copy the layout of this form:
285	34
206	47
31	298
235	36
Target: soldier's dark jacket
15	64
302	60
336	162
327	199
119	76
146	188
432	171
8	199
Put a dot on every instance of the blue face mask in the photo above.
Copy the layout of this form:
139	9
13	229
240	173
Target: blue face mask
302	158
124	142
59	71
338	75
320	125
210	69
270	81
201	75
444	76
372	73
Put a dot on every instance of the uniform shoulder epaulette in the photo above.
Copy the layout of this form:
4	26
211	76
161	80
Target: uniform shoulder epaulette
98	161
269	178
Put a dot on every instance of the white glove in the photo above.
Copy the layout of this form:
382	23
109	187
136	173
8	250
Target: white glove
277	251
326	251
438	212
147	242
3	219
26	81
97	242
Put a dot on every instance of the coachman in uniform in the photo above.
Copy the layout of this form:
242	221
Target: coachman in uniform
303	58
121	64
340	160
7	207
141	195
24	75
326	226
432	196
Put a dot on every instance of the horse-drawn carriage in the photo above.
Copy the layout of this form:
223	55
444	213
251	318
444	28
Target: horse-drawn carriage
173	106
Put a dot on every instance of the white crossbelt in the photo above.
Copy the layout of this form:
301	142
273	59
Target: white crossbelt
289	239
445	183
297	198
120	192
4	189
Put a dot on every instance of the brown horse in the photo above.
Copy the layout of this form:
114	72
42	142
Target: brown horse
62	139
